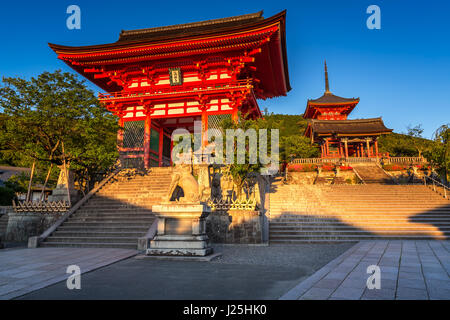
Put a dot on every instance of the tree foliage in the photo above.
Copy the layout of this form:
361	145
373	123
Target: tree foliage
439	155
52	118
293	143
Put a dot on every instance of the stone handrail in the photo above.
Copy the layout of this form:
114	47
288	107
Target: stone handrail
405	160
143	242
361	181
33	242
434	182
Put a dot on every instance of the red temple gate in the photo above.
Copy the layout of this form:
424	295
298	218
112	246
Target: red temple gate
164	78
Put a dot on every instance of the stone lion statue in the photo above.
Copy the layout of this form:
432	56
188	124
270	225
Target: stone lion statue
182	177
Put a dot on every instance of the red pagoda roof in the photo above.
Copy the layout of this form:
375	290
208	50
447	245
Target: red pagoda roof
262	39
330	99
327	101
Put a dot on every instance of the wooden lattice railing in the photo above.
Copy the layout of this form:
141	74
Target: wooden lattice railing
225	204
41	206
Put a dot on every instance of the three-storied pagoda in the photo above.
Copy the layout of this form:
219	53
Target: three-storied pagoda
337	136
164	78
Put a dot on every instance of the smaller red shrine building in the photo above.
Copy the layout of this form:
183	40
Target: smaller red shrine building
337	136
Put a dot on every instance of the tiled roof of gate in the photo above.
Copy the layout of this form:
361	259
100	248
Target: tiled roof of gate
189	29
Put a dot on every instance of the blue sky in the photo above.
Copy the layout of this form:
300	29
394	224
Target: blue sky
401	72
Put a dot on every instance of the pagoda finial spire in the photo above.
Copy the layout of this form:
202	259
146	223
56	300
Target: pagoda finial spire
327	85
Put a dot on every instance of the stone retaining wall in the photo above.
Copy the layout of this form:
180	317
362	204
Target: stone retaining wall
305	178
235	226
301	177
21	226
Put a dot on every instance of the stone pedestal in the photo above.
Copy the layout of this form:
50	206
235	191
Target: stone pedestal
181	230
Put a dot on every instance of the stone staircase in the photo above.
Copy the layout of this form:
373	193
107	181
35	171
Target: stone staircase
117	215
371	173
330	213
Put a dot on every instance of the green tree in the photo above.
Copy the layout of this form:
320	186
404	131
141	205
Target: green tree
297	146
54	118
416	138
240	172
439	155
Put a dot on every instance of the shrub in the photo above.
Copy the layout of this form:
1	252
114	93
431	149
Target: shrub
327	167
302	167
345	168
395	167
6	196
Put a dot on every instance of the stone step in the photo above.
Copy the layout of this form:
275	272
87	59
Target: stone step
120	204
90	245
93	239
104	228
136	211
101	223
278	228
295	242
359	237
359	232
368	211
351	196
138	187
112	194
363	205
113	215
102	234
127	221
299	219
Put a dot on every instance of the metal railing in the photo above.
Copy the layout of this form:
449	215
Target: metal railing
433	183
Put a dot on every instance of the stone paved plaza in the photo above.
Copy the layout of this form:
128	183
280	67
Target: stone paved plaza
410	270
26	270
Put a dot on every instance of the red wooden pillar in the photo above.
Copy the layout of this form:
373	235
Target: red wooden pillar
368	148
234	115
346	148
376	147
147	135
171	148
322	152
161	145
204	128
327	147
